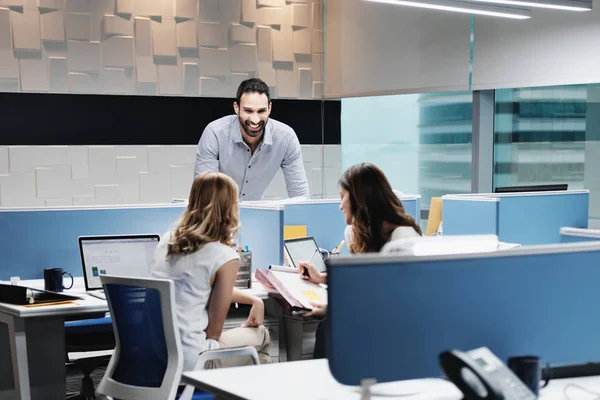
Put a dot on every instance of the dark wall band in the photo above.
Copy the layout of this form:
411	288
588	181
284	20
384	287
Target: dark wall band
28	119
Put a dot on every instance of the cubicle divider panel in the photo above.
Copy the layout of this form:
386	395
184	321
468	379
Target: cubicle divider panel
537	218
390	317
323	220
35	239
572	235
412	205
470	216
262	232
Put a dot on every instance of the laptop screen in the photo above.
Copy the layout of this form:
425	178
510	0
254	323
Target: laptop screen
128	255
302	250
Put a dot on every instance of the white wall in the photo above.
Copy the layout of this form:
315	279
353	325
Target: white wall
104	175
373	48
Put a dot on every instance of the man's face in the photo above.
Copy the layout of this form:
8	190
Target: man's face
253	111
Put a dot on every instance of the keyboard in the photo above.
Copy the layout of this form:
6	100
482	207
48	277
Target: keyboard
99	294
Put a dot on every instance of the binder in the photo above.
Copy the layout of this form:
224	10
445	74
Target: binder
26	296
287	283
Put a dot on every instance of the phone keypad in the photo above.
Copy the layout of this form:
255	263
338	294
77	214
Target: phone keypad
512	386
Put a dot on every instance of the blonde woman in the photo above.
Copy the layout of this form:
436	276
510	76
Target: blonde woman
198	255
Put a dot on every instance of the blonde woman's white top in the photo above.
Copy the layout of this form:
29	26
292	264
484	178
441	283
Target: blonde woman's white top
191	274
400	232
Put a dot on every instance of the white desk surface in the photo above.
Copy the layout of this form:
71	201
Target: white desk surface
312	380
87	304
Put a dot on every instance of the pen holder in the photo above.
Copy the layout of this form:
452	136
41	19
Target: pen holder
243	279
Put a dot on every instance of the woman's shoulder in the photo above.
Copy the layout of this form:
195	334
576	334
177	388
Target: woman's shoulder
402	232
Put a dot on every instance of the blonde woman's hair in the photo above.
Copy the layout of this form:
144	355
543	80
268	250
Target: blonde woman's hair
212	215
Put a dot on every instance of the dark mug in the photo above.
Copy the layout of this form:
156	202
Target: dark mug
529	370
53	279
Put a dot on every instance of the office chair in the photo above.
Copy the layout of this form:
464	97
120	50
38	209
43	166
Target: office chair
94	334
148	359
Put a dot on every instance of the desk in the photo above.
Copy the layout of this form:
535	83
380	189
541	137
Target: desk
36	343
311	380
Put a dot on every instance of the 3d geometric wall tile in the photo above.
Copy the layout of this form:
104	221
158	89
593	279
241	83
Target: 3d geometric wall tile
210	34
204	47
118	52
118	26
187	35
79	26
143	36
26	30
53	26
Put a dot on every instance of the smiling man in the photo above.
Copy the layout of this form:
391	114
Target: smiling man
250	147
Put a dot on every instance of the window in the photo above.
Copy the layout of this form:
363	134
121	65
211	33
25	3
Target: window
421	141
549	135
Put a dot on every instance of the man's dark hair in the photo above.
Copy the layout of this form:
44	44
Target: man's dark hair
252	85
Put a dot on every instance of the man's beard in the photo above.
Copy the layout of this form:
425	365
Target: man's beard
251	133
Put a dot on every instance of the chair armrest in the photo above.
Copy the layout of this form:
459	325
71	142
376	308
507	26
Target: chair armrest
227	353
214	355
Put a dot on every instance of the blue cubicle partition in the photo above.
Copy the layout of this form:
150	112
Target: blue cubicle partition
262	232
570	235
537	218
470	216
390	317
34	239
525	218
323	220
412	205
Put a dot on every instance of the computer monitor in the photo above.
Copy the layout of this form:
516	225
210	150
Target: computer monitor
123	255
302	249
532	188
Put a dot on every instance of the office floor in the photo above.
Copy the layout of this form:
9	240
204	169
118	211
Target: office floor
74	379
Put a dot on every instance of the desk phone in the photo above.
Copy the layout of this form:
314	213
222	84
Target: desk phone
479	374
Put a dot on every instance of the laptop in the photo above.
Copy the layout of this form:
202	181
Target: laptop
121	255
302	249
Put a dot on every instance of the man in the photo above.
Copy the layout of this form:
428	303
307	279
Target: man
250	147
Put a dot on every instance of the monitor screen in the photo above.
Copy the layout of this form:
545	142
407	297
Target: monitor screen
532	188
116	255
302	250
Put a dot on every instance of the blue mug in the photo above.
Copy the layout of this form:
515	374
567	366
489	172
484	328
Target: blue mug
529	370
53	279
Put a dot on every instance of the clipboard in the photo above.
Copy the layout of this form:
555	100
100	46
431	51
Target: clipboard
26	296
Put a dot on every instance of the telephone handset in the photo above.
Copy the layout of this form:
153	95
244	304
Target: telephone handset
479	374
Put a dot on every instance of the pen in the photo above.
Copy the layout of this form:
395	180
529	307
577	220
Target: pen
339	248
305	272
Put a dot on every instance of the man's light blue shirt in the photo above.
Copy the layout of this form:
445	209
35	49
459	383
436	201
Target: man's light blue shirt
222	148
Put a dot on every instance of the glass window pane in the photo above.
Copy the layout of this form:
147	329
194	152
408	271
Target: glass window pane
421	141
549	135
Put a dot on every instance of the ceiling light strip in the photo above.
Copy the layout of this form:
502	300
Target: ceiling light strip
462	7
564	5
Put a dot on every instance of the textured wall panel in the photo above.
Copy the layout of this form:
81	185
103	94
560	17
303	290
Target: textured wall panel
305	82
191	79
53	26
243	58
84	56
214	62
52	4
187	35
302	41
186	9
26	30
51	176
95	46
210	34
317	67
164	38
143	37
282	51
118	52
170	80
117	26
34	75
242	33
124	7
79	26
302	15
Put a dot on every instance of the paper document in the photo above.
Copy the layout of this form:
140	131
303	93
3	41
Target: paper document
301	290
